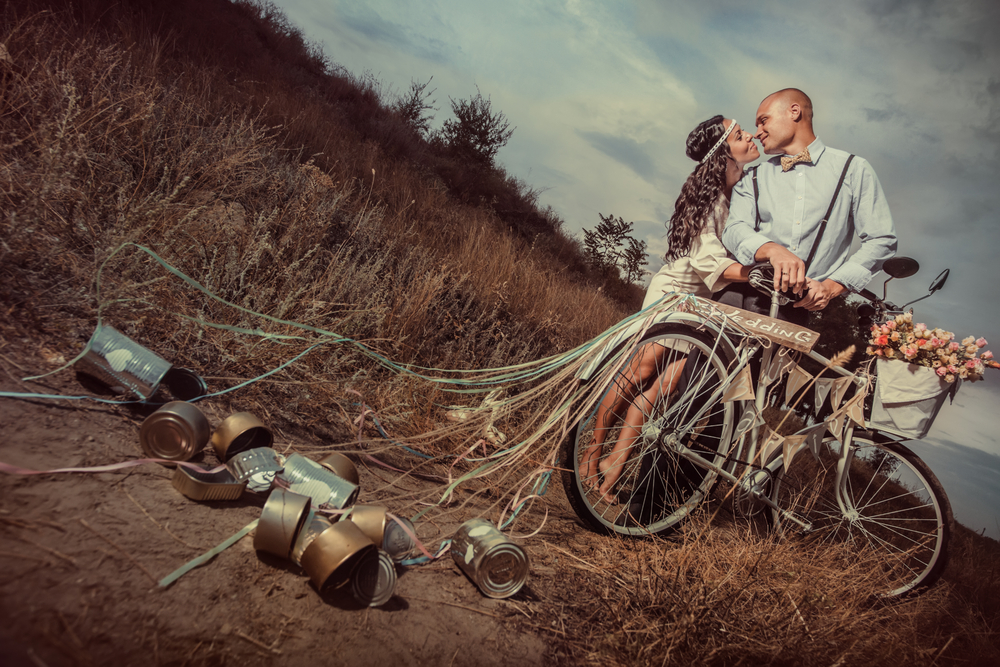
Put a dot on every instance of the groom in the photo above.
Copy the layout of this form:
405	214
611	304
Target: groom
800	211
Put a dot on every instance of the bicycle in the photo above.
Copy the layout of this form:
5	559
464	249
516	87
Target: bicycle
864	493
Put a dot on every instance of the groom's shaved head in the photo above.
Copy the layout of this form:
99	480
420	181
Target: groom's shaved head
790	96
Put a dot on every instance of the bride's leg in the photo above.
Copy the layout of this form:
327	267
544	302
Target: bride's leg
612	466
627	385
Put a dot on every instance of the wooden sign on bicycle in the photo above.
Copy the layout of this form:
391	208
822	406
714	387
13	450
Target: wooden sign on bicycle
783	333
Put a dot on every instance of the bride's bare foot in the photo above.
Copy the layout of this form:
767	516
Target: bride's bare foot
589	469
611	470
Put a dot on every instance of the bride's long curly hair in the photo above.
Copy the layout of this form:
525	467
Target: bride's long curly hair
701	191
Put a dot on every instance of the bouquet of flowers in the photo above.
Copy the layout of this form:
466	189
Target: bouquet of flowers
902	340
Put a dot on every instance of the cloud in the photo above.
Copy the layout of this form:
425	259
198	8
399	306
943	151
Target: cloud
624	150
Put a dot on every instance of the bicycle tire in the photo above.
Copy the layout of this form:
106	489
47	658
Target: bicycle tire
898	519
658	498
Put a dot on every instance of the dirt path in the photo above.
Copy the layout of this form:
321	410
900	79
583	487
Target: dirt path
80	555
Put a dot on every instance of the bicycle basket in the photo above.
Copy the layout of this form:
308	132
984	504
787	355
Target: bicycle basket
908	398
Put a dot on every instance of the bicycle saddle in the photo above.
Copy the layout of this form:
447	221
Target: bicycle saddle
762	279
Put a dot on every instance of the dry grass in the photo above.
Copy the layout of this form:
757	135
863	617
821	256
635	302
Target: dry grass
284	187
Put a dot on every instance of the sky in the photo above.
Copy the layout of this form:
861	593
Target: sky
602	95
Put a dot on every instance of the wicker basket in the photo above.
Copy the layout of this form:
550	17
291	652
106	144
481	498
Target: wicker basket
908	397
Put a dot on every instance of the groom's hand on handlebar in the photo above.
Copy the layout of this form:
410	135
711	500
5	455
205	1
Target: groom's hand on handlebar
789	270
819	294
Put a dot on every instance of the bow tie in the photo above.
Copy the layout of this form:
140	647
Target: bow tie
790	161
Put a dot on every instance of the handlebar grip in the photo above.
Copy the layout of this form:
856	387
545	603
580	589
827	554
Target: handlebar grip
868	294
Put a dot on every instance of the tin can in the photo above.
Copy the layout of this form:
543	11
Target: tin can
374	580
494	563
239	432
309	478
281	520
257	467
396	540
387	534
313	526
121	363
204	485
184	384
332	556
175	432
342	467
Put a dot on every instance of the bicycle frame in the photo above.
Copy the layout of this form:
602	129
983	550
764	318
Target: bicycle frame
728	470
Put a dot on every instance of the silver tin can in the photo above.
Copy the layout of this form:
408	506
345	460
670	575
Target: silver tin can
396	540
313	526
257	467
494	563
374	580
175	432
121	363
309	478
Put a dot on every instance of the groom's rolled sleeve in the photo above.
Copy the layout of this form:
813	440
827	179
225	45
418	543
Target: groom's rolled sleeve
739	236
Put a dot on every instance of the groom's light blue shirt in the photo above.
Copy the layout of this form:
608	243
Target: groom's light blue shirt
792	205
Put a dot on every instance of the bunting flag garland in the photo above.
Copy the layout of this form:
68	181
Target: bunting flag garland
748	420
835	424
741	388
772	444
781	362
814	439
855	409
797	378
823	387
840	386
790	447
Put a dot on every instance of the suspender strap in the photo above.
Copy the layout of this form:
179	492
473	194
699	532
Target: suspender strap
822	225
756	197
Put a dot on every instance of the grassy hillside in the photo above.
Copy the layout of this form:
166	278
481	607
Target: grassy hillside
211	134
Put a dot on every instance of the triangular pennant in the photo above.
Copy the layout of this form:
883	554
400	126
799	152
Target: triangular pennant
747	421
814	439
790	448
855	410
771	445
823	387
741	388
781	362
797	378
836	426
840	386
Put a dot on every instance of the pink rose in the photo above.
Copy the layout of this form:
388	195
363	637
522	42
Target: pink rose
986	355
953	346
942	371
981	342
891	324
920	327
971	364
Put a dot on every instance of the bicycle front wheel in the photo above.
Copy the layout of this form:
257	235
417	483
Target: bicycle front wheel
669	403
891	517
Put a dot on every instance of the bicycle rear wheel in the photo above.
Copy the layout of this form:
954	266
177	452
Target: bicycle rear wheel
894	519
657	488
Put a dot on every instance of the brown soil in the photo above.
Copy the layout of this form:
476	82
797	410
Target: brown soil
81	554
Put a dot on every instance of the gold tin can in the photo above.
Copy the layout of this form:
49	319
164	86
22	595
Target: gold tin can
204	485
238	433
385	532
342	467
494	563
374	580
281	520
332	555
175	432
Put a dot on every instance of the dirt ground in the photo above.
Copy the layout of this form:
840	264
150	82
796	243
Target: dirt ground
80	554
